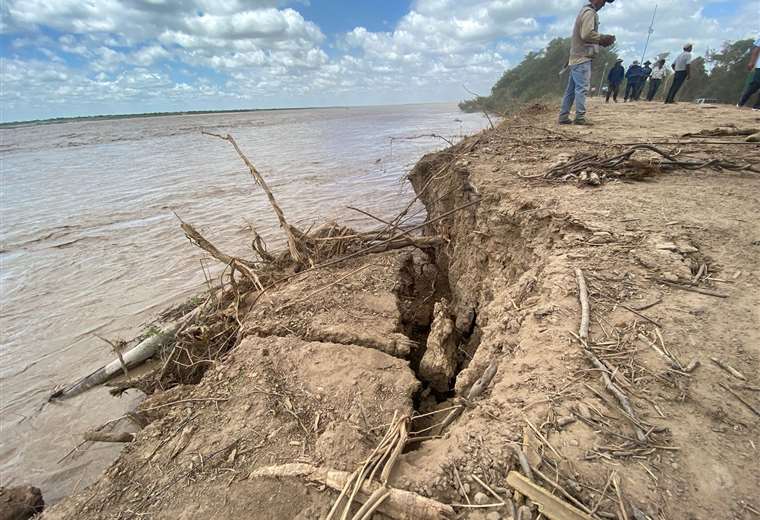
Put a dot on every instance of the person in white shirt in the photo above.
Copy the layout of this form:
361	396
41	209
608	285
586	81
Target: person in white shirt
655	78
754	83
682	66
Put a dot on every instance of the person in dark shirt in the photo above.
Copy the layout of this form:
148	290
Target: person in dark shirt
614	79
645	72
632	77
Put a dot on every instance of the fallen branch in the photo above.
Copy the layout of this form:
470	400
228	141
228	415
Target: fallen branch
692	289
585	308
294	236
244	266
723	132
475	390
728	368
398	504
741	399
146	349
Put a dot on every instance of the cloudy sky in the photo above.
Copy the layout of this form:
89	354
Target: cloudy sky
86	57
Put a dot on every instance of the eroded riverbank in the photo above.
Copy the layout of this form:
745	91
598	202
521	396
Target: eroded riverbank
330	357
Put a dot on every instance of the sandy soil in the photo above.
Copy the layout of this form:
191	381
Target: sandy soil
327	360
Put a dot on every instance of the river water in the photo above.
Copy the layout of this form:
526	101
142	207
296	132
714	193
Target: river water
89	243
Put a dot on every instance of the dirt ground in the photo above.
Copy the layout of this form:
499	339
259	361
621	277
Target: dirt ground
670	256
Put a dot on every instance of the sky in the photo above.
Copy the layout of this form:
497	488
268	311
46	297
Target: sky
63	58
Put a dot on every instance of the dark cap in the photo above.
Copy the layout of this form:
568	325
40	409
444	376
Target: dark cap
647	62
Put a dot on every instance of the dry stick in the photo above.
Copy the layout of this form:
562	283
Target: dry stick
183	401
542	438
366	250
637	313
616	483
740	398
421	136
461	486
681	143
370	215
692	289
585	309
290	231
562	490
488	488
244	266
480	385
619	395
731	370
482	107
524	464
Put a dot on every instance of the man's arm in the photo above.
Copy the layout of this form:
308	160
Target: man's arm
753	58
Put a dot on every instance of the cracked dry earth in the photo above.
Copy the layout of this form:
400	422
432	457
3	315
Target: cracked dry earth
328	359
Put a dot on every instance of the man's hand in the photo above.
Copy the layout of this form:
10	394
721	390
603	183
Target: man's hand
606	40
750	66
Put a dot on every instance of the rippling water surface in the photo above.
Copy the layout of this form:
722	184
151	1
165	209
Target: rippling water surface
90	244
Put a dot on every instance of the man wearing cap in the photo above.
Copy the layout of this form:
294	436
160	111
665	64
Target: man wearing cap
655	79
632	78
645	72
614	79
682	65
754	83
584	47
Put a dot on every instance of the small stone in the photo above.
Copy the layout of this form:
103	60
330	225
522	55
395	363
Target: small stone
481	499
493	515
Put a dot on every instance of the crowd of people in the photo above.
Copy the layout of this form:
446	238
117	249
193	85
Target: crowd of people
637	76
585	44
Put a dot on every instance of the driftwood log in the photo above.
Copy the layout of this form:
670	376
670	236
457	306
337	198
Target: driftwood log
399	504
146	349
96	436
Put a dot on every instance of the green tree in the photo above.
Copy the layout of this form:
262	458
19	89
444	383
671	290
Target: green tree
537	77
729	73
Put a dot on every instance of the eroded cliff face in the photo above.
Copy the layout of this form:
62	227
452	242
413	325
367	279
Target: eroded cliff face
328	359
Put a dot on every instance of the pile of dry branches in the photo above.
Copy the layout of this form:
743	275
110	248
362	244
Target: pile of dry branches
595	168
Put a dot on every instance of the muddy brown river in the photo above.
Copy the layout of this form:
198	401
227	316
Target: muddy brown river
90	244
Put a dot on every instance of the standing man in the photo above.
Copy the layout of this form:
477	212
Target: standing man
658	73
632	80
645	72
754	82
682	66
584	47
614	79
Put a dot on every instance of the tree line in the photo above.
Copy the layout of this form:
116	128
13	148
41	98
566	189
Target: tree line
720	75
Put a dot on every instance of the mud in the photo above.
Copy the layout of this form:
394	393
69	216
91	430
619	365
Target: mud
327	360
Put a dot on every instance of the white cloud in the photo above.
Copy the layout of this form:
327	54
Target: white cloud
265	51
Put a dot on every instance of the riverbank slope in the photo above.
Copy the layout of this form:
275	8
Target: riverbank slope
653	414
